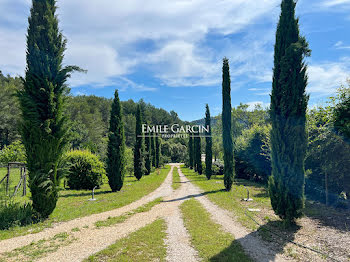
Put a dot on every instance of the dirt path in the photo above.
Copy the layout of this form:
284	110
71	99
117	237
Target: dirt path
88	221
91	240
250	242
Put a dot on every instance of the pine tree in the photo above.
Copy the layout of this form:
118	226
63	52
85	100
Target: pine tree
139	146
44	127
208	145
148	156
226	126
157	152
153	149
116	146
288	117
190	150
198	155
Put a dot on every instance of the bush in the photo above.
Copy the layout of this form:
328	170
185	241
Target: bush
252	158
218	168
85	170
14	214
13	153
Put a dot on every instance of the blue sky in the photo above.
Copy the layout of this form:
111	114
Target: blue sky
169	52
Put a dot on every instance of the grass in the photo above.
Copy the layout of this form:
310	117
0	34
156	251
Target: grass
207	237
144	245
120	219
73	203
38	249
232	201
176	179
13	182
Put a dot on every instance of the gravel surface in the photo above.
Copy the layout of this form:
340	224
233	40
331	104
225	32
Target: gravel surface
90	240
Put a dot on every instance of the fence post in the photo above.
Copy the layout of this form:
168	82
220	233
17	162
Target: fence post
24	182
8	179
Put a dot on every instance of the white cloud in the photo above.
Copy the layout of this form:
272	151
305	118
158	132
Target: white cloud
332	3
325	78
252	105
341	45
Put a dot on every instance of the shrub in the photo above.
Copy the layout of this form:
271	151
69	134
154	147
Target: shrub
85	170
14	214
218	168
13	153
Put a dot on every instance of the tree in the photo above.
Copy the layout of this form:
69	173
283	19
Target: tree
139	146
148	156
190	150
198	155
288	117
208	145
157	152
153	150
226	126
341	112
116	146
44	127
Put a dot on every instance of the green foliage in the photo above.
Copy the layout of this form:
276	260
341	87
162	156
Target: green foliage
15	214
116	147
139	164
148	155
208	145
13	153
288	117
158	151
252	154
9	109
44	127
341	112
197	155
175	152
153	150
226	126
190	151
85	170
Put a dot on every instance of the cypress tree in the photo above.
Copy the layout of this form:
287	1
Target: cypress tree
190	150
198	154
208	145
116	146
148	156
139	146
226	126
153	149
44	127
288	117
157	152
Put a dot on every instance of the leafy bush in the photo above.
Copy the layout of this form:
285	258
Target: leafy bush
85	171
252	159
15	214
218	168
13	153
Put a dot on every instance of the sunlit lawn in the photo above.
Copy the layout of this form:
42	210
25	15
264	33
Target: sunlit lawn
74	203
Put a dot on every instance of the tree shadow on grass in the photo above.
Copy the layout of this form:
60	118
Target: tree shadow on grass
272	245
194	195
85	193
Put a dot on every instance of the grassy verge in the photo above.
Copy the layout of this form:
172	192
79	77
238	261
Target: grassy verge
144	245
207	237
38	249
120	219
176	179
232	201
73	204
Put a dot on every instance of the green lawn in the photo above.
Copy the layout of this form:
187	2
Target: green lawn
144	245
73	203
208	238
176	179
232	201
14	179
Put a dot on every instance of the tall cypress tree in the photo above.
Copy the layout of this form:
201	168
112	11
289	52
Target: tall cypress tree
153	149
288	117
157	152
139	146
116	146
148	156
226	126
208	145
190	150
44	127
198	154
